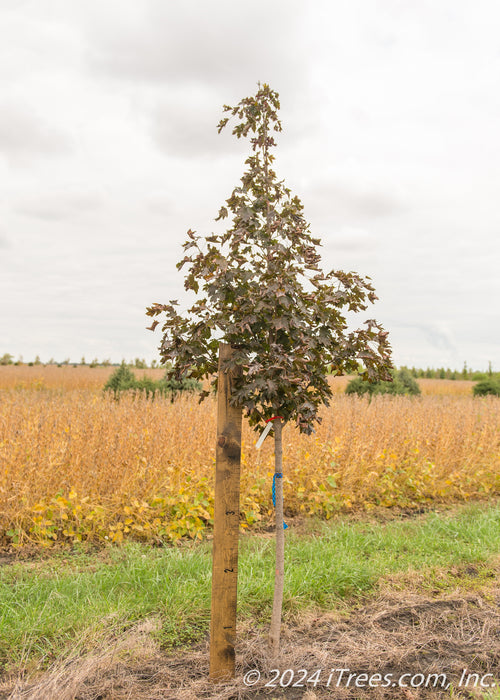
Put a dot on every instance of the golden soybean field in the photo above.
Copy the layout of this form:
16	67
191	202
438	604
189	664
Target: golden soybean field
76	465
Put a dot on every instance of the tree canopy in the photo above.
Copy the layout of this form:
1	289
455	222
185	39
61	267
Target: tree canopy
260	288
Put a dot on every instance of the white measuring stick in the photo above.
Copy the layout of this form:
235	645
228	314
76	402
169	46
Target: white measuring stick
264	435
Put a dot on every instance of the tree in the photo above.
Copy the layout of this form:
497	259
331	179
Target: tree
259	288
122	379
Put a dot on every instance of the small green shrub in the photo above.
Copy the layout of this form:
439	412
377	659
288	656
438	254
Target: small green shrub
487	387
176	386
402	384
122	379
148	385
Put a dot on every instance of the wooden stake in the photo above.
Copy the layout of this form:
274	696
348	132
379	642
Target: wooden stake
226	527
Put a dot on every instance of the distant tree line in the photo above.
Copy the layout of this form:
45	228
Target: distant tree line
442	373
140	363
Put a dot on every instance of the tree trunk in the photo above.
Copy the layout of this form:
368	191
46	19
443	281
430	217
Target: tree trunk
274	632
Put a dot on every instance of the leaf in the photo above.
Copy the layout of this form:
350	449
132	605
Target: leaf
222	214
280	323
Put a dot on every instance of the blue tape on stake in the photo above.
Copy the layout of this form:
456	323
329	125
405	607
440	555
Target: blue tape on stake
277	475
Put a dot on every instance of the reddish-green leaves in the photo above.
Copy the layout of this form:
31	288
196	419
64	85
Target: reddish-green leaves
260	288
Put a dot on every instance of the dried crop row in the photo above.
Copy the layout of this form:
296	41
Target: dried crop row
77	465
39	377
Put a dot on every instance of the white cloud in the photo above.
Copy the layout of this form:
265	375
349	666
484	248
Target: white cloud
350	203
216	42
24	134
351	239
60	206
184	125
390	113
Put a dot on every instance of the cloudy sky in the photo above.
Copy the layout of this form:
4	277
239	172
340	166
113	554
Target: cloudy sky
109	152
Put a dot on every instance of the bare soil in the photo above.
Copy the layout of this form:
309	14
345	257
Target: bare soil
399	633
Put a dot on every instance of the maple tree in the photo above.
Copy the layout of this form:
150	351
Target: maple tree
260	288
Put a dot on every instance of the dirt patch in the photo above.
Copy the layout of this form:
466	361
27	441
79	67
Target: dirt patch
398	634
10	556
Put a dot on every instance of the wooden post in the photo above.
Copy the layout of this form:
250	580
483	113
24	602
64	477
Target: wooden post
226	527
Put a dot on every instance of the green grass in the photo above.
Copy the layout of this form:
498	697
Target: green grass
492	695
49	603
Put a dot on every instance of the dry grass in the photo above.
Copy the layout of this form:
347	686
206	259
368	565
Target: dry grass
78	465
400	633
445	387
